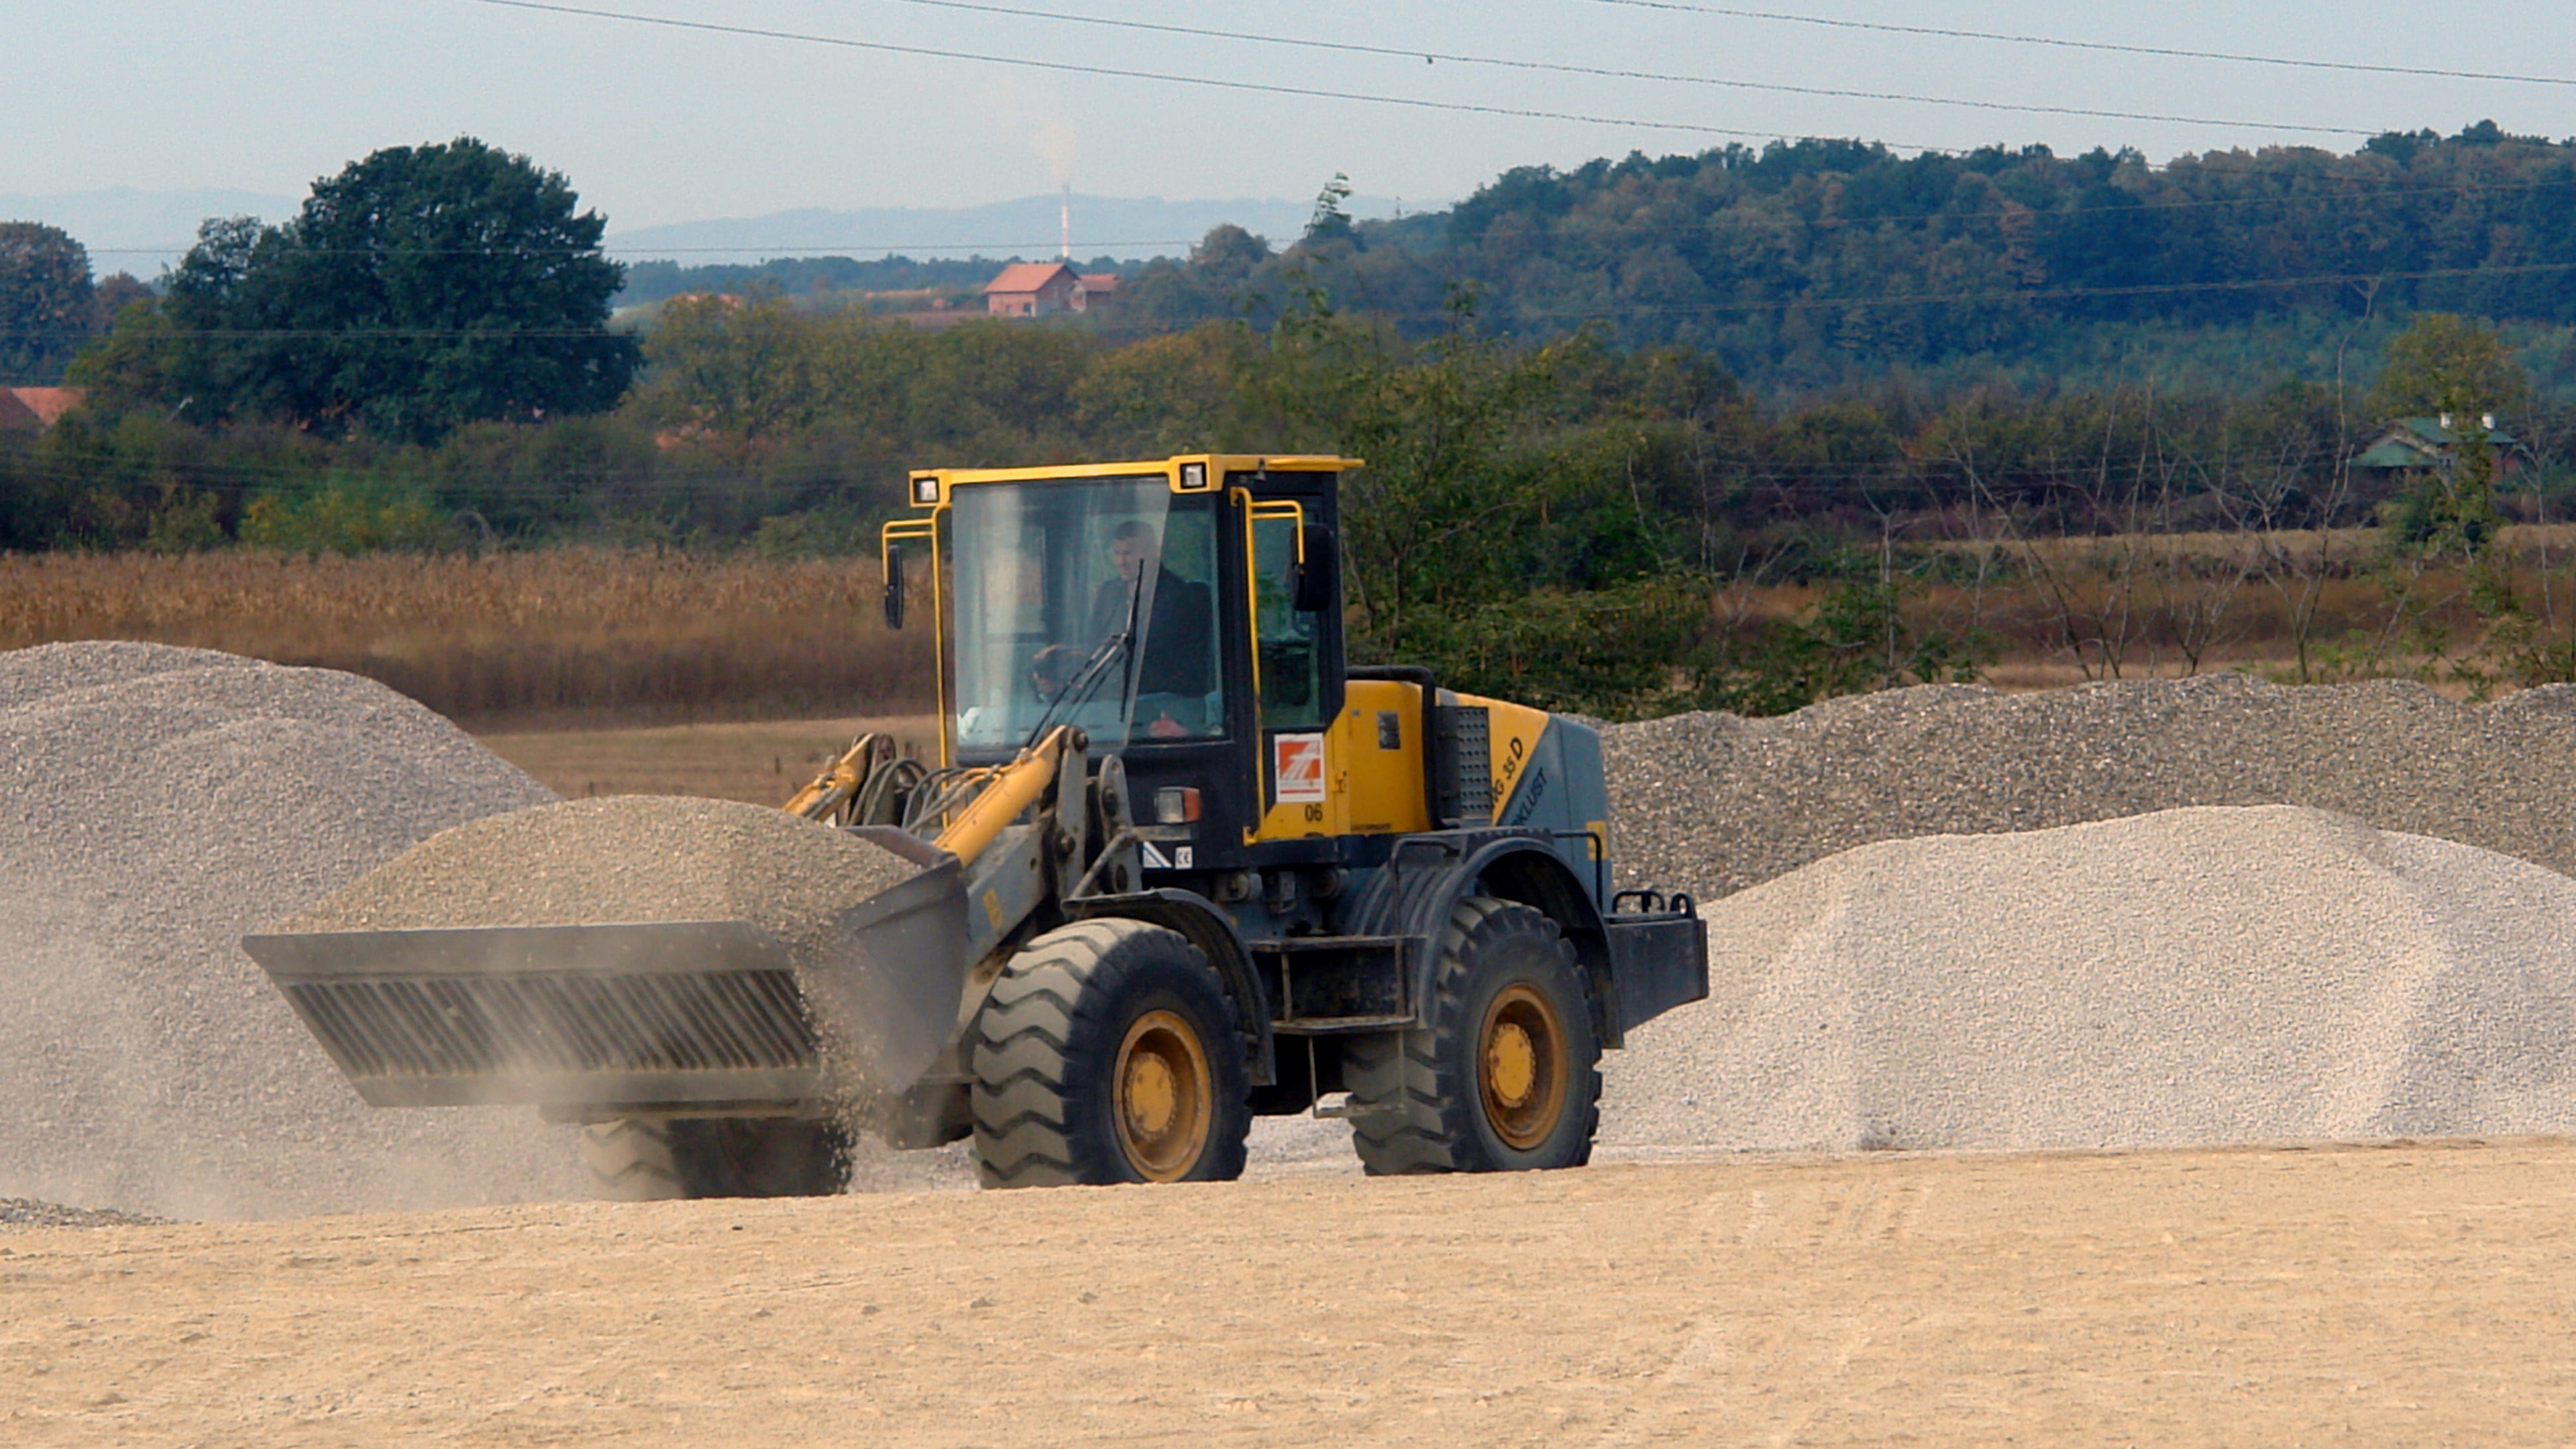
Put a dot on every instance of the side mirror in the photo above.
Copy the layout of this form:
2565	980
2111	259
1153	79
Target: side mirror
894	587
1319	579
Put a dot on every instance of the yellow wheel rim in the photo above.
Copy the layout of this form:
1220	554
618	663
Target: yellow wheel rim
1520	1056
1164	1096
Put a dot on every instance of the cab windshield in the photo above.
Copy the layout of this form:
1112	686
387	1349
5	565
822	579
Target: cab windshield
1088	602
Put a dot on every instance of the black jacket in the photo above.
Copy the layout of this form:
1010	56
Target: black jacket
1178	659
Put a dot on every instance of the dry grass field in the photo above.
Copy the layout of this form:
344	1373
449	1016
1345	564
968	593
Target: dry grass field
579	638
565	637
2416	1294
758	763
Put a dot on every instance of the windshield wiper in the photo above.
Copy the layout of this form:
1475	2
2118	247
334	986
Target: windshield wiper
1077	691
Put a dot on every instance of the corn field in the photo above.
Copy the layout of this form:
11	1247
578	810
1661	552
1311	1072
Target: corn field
559	637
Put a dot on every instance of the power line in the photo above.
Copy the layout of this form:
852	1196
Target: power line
1938	299
2043	294
1924	299
1123	73
1613	73
2345	197
326	473
2169	52
1756	472
612	248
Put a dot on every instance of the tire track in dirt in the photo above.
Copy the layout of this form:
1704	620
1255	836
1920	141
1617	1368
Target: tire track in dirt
1732	1355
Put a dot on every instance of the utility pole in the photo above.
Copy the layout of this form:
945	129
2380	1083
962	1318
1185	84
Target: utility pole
1065	219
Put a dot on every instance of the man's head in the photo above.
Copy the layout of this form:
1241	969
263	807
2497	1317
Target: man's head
1132	548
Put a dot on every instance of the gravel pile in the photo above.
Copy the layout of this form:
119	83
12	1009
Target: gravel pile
622	858
2190	977
155	804
1711	803
1968	977
643	858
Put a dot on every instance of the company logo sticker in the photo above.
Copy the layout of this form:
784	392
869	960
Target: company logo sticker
1297	763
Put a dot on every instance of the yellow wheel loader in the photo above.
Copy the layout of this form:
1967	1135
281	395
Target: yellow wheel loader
1178	865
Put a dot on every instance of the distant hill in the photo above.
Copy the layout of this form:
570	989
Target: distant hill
128	230
1128	228
650	282
139	231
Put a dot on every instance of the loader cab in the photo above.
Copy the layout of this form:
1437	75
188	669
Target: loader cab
1184	613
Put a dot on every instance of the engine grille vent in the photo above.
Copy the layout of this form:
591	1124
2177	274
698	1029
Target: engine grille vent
1466	765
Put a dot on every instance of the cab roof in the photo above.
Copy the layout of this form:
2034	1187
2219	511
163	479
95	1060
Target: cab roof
1186	472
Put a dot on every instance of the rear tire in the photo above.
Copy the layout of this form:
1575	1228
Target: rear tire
638	1159
1505	1078
1107	1053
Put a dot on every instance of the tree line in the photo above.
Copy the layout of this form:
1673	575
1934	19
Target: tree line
422	358
1824	264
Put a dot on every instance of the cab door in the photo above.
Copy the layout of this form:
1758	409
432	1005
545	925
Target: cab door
1297	651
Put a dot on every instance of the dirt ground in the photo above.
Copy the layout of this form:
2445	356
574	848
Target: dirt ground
2394	1295
759	764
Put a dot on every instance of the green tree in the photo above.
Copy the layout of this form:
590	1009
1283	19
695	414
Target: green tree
1228	255
736	373
47	310
1181	392
1438	425
2449	364
115	292
1216	281
422	288
181	355
1330	222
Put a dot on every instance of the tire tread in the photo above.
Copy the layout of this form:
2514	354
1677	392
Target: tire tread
1027	1095
1416	1114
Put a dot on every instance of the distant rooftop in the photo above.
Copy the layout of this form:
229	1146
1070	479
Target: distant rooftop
1021	277
2421	442
38	408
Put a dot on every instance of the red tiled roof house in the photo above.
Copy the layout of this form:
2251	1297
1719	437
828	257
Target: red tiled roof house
1033	289
35	409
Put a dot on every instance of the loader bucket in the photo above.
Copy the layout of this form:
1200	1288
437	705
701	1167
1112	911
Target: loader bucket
636	1016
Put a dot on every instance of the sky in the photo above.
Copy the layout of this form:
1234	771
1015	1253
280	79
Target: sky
657	125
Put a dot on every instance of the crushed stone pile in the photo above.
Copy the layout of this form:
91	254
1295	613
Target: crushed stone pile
156	804
621	858
2189	977
1713	803
1939	918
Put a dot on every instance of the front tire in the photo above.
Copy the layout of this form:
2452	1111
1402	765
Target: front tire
1107	1053
637	1159
1505	1078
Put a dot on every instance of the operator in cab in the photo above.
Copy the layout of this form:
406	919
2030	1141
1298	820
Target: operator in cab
1176	673
1177	669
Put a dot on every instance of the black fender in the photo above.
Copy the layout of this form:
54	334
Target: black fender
1426	876
1211	930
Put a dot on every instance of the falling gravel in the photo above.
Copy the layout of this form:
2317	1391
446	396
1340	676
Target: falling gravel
1712	803
155	804
2194	976
650	858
